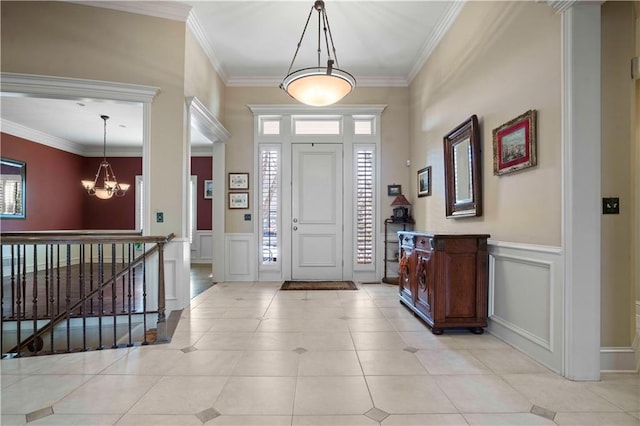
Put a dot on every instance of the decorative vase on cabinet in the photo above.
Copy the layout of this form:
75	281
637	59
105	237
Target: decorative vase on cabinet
392	248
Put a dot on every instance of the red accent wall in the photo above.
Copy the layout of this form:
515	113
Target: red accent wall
56	199
53	190
116	212
203	168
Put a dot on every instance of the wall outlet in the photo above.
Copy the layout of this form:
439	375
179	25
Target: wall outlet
611	205
159	217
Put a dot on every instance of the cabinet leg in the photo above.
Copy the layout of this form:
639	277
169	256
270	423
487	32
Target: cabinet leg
437	331
477	330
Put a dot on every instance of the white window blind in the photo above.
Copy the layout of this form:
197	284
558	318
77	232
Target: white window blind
269	188
11	195
365	206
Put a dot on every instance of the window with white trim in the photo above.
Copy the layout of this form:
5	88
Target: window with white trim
365	205
11	194
269	204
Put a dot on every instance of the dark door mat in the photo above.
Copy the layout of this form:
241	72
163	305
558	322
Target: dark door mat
319	285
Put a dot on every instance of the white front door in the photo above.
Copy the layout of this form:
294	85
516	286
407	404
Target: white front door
316	202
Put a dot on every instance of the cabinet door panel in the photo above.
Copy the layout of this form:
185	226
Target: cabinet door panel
425	283
405	272
460	291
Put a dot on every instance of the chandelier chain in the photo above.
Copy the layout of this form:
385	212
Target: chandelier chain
300	42
328	27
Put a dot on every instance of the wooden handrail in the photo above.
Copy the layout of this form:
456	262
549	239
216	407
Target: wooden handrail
75	237
57	238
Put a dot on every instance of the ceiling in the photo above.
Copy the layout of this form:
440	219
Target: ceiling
382	43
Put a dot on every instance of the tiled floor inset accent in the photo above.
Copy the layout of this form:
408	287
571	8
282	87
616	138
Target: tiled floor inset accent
328	360
39	414
377	414
543	412
208	414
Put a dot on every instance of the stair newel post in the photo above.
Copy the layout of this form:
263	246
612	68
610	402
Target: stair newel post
162	323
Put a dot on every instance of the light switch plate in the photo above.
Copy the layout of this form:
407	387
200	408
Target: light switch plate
611	205
159	217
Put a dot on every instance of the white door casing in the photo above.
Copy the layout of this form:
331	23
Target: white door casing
317	214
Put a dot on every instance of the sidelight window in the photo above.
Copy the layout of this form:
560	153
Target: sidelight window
269	204
365	199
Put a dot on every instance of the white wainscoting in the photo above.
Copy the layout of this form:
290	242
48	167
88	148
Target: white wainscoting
176	274
526	300
241	257
202	247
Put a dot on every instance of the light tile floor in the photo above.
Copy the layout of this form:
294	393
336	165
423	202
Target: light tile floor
248	354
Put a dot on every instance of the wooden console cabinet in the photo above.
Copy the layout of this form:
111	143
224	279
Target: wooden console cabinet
443	279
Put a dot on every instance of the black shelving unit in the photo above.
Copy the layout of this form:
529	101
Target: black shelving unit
391	247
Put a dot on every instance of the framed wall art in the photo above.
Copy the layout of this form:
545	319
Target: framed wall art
208	189
238	181
238	200
424	182
514	144
393	190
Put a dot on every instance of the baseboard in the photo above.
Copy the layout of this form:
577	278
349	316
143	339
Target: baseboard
619	359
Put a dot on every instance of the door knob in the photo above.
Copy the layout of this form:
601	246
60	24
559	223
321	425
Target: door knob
295	228
295	220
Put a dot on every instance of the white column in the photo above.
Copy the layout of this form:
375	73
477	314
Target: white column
581	188
219	202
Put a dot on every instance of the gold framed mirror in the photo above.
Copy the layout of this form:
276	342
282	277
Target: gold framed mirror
462	169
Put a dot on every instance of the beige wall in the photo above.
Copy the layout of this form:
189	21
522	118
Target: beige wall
498	60
617	294
201	79
394	148
71	40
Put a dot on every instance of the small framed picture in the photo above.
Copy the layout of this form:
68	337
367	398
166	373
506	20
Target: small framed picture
424	182
514	144
238	180
208	189
238	200
393	190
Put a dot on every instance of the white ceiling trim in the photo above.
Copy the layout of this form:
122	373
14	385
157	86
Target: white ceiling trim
198	32
62	144
438	33
42	138
73	88
205	122
360	82
561	5
159	9
275	109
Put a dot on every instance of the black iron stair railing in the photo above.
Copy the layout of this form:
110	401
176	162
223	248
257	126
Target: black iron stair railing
80	304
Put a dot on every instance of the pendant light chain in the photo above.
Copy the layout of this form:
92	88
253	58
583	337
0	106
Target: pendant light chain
300	42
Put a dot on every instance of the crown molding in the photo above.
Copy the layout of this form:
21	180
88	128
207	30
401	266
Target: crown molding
159	9
560	5
438	33
205	122
42	138
277	109
113	152
275	82
201	37
73	88
65	145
